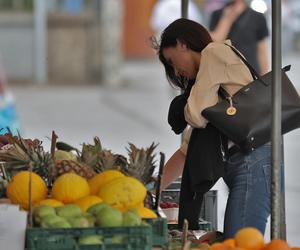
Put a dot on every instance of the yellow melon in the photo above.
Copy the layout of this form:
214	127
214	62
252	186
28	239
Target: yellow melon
18	189
51	203
145	212
101	179
123	192
70	187
87	201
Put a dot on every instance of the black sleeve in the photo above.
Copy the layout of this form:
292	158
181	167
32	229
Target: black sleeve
176	117
176	114
214	19
262	28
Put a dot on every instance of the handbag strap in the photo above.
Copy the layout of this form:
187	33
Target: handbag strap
253	72
224	94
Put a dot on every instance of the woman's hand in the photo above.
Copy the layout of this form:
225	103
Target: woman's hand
233	11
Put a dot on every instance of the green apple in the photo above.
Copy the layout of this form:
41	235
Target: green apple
78	221
41	211
109	217
96	208
130	218
67	211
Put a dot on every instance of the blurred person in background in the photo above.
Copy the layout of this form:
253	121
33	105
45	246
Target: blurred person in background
246	28
166	11
287	28
211	6
8	114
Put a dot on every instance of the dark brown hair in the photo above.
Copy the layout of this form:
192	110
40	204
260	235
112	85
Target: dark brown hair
193	34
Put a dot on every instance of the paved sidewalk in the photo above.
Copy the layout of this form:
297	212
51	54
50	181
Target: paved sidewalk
135	113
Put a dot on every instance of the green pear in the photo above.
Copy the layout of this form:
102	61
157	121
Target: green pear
61	224
90	240
64	155
41	211
109	217
91	219
95	209
49	220
67	211
130	218
78	221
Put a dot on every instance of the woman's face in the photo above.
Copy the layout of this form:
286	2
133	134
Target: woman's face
184	61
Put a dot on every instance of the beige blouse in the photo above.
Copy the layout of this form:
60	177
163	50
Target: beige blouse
219	66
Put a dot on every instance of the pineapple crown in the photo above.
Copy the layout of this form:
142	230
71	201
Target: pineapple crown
89	153
19	154
95	156
141	163
101	159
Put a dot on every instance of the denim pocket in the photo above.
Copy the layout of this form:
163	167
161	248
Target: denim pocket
235	166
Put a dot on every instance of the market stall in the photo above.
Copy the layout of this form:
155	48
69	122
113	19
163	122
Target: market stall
91	198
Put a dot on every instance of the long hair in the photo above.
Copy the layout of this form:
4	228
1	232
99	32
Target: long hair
193	34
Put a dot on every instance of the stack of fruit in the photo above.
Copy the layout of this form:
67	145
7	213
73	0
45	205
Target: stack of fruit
250	238
247	238
85	177
71	215
109	187
92	167
99	215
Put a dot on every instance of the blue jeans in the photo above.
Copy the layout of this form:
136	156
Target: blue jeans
248	178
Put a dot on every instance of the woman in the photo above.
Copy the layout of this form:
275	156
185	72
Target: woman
188	54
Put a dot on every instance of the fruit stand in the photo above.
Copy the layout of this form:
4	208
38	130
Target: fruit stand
87	198
91	198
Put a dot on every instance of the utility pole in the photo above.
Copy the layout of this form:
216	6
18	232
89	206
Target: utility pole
184	8
40	41
278	213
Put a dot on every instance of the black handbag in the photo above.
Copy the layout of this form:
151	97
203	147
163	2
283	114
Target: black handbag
245	117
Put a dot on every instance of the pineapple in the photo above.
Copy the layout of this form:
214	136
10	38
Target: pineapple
94	159
108	160
67	166
141	163
101	159
141	166
82	168
89	154
19	154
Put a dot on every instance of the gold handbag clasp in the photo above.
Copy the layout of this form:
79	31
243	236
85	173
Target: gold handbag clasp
231	110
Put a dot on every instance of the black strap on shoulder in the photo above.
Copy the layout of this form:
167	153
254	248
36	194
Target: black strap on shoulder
253	72
223	93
